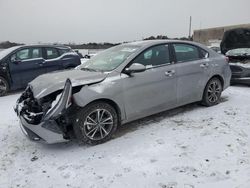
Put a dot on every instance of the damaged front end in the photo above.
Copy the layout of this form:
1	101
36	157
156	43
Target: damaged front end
45	119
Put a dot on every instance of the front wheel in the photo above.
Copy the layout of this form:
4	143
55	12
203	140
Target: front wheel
96	123
212	92
4	86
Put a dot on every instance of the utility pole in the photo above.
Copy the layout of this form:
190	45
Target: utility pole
190	27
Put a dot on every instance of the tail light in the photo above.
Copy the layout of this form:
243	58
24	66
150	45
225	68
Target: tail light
227	59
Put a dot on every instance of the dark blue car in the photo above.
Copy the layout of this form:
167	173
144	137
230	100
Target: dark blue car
20	65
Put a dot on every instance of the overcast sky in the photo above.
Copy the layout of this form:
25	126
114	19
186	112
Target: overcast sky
80	21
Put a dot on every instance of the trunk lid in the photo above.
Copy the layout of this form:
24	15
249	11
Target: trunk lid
234	39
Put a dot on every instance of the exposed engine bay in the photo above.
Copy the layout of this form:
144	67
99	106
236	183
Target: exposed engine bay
32	109
47	113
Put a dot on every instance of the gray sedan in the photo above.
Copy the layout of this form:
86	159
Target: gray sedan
119	85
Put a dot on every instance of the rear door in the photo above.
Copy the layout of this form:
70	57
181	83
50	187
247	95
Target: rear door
52	59
153	90
26	64
193	68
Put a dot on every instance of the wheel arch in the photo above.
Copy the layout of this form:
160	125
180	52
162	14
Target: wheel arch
219	77
111	103
214	76
8	86
6	78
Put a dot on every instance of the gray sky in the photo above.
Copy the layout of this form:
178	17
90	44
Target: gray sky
80	21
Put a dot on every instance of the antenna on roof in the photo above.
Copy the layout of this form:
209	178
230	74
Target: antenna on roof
190	27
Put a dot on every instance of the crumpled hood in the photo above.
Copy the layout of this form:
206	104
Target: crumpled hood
48	83
235	38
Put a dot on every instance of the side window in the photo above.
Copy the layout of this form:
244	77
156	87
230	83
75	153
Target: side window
186	52
51	53
154	56
63	51
26	54
148	54
21	55
36	53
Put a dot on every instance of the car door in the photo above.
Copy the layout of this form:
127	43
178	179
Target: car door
193	70
52	62
153	90
26	64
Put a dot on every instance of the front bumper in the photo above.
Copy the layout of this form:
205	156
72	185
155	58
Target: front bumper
47	130
40	133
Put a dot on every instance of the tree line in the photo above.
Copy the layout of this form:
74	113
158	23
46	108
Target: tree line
92	45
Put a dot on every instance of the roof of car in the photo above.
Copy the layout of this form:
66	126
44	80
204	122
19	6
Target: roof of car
148	43
155	42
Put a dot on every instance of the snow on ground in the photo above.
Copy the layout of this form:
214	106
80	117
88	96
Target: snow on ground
188	147
84	60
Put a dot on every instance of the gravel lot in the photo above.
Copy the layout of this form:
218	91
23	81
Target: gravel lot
187	147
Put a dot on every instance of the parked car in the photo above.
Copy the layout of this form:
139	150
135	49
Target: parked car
20	65
119	85
80	54
236	46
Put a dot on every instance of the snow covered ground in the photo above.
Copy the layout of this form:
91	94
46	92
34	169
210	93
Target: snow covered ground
188	147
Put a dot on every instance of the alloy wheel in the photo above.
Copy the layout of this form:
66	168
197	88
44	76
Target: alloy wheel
214	91
98	124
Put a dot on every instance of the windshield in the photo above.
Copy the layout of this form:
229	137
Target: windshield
109	59
5	52
239	52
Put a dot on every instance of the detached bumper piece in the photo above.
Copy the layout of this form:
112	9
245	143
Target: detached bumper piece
245	80
39	122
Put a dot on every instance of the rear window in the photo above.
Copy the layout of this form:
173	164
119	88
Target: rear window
186	52
51	53
63	51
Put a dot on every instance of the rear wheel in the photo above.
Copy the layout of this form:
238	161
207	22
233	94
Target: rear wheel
96	123
212	92
4	86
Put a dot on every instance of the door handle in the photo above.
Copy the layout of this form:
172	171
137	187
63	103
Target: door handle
170	73
204	65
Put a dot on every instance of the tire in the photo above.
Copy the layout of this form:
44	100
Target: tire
88	129
212	92
4	86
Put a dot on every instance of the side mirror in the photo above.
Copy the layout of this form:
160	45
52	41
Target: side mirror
134	68
17	62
